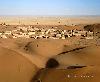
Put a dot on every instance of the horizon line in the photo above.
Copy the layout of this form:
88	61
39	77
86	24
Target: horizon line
49	15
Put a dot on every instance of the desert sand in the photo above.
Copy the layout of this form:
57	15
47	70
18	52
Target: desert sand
52	20
25	60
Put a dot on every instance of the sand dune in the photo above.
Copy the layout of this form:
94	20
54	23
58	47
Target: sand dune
52	75
24	57
87	57
14	67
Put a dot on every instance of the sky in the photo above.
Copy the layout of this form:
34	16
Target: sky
49	7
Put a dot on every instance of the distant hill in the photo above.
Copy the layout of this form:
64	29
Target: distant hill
93	28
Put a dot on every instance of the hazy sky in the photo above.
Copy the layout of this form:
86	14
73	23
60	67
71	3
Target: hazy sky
49	7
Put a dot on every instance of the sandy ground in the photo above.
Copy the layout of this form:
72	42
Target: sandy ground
88	57
22	60
14	67
13	20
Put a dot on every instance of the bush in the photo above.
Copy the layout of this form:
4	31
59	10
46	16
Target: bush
52	63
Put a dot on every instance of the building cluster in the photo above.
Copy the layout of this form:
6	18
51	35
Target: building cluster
39	33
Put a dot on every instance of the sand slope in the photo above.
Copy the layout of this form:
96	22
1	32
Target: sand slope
22	58
14	67
88	57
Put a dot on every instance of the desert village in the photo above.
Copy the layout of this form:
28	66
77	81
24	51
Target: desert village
50	41
45	33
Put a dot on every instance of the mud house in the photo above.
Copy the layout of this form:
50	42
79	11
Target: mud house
3	36
58	36
0	34
89	35
7	32
31	33
63	37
